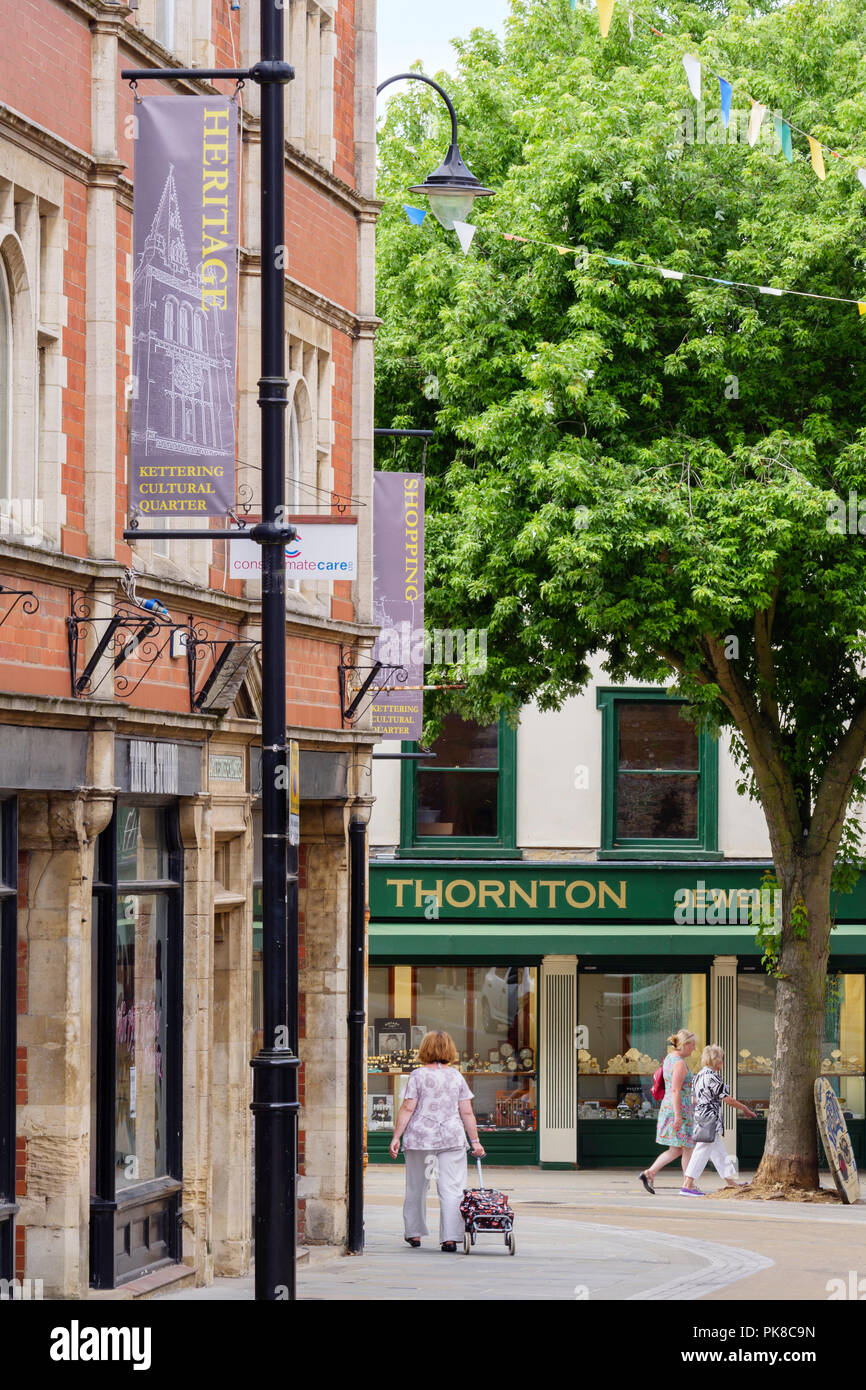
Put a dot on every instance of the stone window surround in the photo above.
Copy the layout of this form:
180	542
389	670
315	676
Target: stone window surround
32	240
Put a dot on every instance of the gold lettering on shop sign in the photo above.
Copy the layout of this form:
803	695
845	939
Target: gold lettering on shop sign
604	889
459	883
399	884
580	883
580	893
551	884
529	898
490	888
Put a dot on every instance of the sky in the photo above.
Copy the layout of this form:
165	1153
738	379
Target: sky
412	29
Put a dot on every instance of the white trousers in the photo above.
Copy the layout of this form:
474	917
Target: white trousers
448	1167
702	1153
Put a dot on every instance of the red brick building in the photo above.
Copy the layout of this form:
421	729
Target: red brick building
129	824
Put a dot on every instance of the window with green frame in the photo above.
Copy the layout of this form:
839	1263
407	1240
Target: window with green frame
660	778
461	802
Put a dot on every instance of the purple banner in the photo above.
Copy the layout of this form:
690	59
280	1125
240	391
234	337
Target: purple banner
184	303
398	601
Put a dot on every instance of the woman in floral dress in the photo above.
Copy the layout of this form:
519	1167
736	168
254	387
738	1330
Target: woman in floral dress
674	1129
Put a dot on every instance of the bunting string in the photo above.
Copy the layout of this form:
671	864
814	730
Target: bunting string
694	67
466	231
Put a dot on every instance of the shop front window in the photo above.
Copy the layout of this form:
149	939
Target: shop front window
140	1097
843	1048
660	776
624	1022
464	795
8	1020
136	1051
490	1012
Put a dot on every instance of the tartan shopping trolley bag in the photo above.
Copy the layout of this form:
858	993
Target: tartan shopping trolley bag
485	1209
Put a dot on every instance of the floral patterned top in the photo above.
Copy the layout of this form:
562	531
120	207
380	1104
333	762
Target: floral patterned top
435	1123
666	1132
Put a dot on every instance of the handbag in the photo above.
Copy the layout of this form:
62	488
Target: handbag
704	1132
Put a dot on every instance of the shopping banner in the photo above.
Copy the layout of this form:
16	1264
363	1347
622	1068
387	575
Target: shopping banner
398	602
184	301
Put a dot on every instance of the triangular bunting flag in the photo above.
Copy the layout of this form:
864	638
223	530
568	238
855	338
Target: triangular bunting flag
726	91
861	307
565	250
605	14
861	174
769	289
693	73
817	157
783	130
671	274
416	215
756	116
631	24
511	236
465	232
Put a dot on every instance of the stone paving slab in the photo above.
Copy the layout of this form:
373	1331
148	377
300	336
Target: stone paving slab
590	1235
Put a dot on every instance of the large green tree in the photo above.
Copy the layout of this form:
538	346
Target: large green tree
643	467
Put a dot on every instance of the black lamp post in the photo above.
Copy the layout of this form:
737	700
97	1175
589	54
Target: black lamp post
452	188
275	1069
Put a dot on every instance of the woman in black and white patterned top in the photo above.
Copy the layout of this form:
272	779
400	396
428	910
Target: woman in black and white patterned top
709	1093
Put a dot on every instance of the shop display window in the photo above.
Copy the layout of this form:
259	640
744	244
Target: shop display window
842	1050
490	1012
624	1022
136	1024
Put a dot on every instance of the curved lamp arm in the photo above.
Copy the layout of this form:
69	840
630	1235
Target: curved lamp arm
419	77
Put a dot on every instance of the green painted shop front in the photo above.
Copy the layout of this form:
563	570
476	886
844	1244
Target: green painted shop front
559	983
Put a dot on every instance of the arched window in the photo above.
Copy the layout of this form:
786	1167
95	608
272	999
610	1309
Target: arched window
184	318
293	490
198	331
5	385
168	325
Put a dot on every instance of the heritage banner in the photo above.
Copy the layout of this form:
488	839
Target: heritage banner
398	602
184	300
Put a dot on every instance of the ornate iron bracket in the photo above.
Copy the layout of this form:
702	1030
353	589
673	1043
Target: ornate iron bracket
227	668
357	681
129	633
26	597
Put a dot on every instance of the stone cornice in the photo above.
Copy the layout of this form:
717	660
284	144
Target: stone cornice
68	571
97	11
36	140
63	712
308	301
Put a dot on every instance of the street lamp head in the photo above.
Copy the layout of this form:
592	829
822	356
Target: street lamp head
452	189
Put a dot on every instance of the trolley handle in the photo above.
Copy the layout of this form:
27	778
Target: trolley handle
480	1177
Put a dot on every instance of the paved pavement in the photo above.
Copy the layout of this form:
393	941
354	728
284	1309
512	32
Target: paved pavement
592	1235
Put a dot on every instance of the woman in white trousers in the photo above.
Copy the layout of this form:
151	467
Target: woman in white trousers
710	1092
433	1122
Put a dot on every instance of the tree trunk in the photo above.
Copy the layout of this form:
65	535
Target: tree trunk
791	1149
